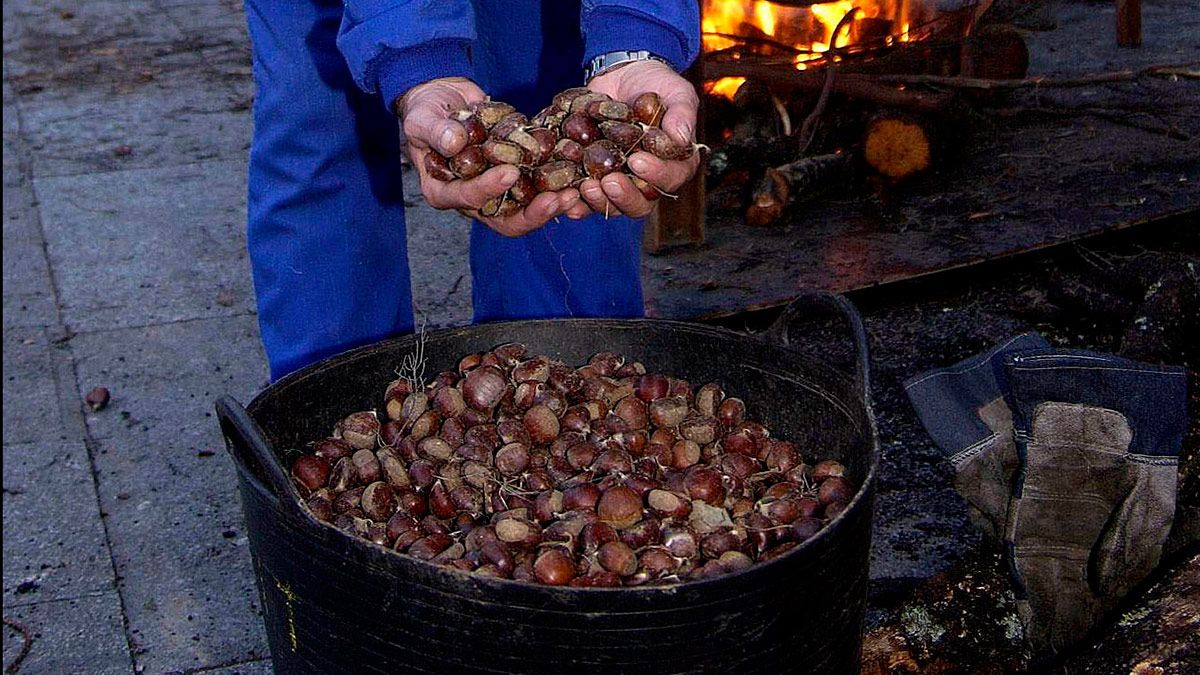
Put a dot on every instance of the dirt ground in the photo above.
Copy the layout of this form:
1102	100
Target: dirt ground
1136	294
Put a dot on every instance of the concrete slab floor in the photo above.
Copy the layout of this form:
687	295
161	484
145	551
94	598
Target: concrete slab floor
124	545
125	143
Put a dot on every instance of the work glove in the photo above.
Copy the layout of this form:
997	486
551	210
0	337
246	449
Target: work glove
425	113
963	407
615	193
1098	439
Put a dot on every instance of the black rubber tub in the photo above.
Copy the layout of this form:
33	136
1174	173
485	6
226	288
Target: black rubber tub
338	604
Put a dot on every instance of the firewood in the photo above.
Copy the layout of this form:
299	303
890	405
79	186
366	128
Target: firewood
1129	23
897	145
869	88
995	52
755	139
793	183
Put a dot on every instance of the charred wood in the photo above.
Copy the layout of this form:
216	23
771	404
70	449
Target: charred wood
793	183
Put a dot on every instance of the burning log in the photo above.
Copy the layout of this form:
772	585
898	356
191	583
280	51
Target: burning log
872	89
897	145
795	182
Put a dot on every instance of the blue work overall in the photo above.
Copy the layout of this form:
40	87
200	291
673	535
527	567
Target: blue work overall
326	210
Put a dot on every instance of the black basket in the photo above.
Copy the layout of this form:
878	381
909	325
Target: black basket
334	603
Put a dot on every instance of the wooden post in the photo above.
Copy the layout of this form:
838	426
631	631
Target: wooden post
675	222
1129	23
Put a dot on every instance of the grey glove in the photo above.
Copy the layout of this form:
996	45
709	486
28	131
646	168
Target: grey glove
963	408
1098	438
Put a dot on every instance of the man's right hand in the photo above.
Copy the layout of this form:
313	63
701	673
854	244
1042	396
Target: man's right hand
425	111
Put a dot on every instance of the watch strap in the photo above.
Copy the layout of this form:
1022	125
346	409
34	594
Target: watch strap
610	60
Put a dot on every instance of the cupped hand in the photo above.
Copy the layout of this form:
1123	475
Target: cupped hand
615	193
425	111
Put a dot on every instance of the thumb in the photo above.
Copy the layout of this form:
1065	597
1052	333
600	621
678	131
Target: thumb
426	123
679	121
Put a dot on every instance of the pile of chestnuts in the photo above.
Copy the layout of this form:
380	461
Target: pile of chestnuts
582	134
522	467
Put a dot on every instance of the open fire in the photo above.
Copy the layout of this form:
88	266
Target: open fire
805	34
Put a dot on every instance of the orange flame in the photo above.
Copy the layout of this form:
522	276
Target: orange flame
808	30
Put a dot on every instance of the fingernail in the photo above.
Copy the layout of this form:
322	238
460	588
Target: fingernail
447	139
638	164
616	189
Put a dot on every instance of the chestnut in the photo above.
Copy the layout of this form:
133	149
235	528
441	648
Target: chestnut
731	412
602	158
483	387
469	162
804	528
648	190
656	142
435	448
512	459
491	112
542	424
518	532
705	485
321	508
668	411
668	504
622	134
311	471
601	110
360	430
554	567
366	466
648	109
581	129
835	489
548	505
555	176
580	103
428	547
633	411
569	150
562	100
827	468
620	507
618	558
595	535
379	501
506	126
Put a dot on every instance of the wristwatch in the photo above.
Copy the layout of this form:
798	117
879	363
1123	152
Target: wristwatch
609	60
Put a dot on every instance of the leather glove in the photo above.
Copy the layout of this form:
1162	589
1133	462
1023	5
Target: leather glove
964	409
1098	438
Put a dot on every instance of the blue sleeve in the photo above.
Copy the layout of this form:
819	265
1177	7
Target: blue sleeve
393	45
667	28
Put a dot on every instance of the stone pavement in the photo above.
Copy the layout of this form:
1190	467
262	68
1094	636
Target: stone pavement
126	128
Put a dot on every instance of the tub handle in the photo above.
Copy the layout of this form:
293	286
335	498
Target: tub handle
250	450
800	310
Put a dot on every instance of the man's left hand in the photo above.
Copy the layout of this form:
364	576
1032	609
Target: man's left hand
615	193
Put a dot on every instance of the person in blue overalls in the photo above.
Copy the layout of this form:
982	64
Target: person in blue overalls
326	211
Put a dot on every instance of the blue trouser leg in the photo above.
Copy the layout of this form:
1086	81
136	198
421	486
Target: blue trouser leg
585	268
326	210
529	52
